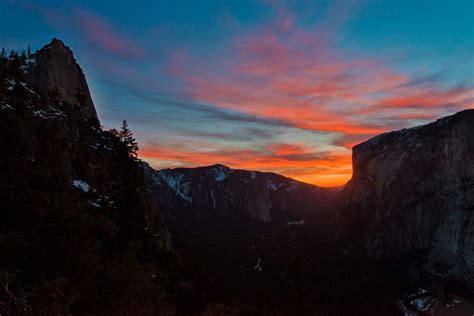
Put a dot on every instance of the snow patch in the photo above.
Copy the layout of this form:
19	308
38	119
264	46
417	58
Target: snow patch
292	223
272	185
219	172
258	266
177	183
49	113
80	184
28	62
291	186
6	107
421	301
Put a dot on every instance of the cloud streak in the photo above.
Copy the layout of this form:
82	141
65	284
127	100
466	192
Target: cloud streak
282	72
94	30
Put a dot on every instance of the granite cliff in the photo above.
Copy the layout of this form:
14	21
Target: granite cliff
411	197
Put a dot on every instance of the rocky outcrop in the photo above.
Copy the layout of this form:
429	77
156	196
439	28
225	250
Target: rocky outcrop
78	233
54	154
54	68
221	191
411	196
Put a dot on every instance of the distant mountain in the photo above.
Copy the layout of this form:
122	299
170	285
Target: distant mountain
221	191
411	198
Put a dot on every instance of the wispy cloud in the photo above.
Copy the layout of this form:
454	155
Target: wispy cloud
281	93
298	75
96	31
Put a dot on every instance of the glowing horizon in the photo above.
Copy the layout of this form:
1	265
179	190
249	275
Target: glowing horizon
274	86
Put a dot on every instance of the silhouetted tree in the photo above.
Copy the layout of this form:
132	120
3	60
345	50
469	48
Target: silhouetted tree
28	52
126	137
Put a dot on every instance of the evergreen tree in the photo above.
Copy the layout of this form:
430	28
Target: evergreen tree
4	53
126	137
29	52
14	65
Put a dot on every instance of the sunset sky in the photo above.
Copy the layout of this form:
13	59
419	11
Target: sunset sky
282	86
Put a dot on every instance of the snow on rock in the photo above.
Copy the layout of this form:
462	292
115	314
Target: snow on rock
292	223
258	266
28	62
84	186
219	172
272	185
292	185
95	204
5	107
49	113
176	181
421	301
11	83
253	175
41	114
24	85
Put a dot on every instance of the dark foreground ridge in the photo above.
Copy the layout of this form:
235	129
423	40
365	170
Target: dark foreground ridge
77	233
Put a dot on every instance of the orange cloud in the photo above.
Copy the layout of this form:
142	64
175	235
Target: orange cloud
285	73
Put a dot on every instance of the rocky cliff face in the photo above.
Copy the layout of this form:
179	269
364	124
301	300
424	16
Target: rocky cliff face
54	68
412	197
75	221
221	191
54	139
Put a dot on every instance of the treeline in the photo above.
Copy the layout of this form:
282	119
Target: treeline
11	66
14	54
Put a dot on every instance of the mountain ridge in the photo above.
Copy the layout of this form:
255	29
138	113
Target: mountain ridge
236	192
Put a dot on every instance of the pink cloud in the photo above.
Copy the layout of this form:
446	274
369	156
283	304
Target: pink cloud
95	30
283	72
101	33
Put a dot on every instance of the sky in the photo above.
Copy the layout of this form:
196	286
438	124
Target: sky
280	86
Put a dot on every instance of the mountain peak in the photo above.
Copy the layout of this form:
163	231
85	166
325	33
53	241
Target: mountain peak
54	67
56	42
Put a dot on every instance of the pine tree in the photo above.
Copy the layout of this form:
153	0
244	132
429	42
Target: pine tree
4	53
29	52
126	137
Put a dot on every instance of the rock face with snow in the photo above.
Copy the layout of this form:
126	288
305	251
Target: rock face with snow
412	196
54	68
220	191
53	150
